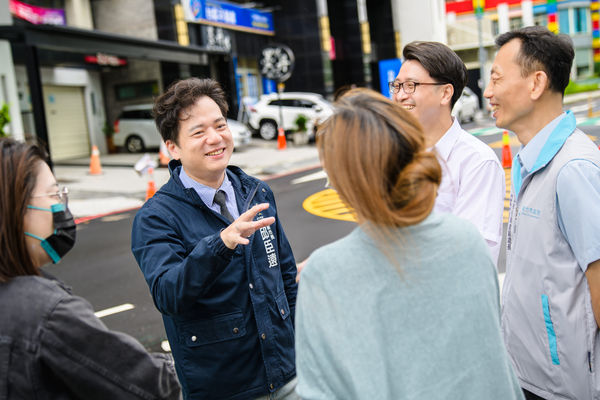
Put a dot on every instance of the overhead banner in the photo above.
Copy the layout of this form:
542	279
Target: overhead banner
218	13
37	15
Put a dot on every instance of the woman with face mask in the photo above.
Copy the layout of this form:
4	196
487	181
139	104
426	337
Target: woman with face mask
51	344
406	306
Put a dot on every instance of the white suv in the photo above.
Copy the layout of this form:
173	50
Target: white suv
466	106
264	115
136	131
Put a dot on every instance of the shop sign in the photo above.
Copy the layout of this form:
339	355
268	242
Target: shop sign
216	38
388	70
277	62
105	59
213	12
37	15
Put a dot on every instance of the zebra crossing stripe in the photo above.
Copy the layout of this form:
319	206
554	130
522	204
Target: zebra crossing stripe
485	131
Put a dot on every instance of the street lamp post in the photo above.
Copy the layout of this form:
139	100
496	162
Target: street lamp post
478	7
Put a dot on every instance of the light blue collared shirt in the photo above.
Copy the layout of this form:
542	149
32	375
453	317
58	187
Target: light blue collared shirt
577	196
207	194
528	155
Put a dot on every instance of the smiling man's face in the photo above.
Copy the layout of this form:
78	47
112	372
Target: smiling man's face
508	91
425	102
204	143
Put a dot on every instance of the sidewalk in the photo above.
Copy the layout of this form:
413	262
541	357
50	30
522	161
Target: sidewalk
121	188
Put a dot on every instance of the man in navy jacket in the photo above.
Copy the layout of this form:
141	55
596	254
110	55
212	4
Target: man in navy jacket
216	259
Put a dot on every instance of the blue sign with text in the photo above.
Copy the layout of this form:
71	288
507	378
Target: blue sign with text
232	16
388	70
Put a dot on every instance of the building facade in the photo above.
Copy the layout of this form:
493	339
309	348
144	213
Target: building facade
573	17
72	65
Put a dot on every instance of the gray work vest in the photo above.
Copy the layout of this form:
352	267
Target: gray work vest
547	318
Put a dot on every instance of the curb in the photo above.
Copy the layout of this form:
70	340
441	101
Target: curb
287	173
89	218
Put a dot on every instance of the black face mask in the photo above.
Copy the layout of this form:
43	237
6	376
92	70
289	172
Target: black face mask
63	239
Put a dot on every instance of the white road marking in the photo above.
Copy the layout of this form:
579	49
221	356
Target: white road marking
580	108
116	217
310	177
114	310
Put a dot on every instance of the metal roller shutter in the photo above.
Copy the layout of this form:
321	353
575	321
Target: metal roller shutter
67	123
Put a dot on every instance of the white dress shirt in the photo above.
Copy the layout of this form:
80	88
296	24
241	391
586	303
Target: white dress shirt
473	184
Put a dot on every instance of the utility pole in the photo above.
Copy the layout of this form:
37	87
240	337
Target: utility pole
478	7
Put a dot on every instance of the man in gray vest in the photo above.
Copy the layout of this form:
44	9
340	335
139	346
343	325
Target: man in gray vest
551	293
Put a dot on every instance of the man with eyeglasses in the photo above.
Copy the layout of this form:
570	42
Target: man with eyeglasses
430	81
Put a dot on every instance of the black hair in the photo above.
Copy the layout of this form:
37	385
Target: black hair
181	95
545	51
443	64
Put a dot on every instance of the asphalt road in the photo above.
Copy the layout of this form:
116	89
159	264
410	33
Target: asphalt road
102	269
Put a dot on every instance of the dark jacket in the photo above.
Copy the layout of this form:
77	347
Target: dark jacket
53	347
228	314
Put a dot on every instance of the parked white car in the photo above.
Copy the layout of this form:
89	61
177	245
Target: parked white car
264	115
135	130
466	106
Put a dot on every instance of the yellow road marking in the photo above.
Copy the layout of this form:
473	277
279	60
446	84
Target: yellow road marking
514	142
507	195
327	204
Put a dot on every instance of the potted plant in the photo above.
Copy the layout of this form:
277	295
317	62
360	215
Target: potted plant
109	131
4	119
300	134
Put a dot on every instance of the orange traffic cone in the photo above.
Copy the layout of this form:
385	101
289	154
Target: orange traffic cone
163	155
95	167
281	142
151	190
506	153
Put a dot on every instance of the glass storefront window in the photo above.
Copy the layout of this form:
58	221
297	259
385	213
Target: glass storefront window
516	23
136	90
563	21
581	20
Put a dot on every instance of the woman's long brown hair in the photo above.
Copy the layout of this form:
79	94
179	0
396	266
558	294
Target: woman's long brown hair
374	154
19	165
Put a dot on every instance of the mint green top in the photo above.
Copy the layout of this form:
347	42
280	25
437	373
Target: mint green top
432	331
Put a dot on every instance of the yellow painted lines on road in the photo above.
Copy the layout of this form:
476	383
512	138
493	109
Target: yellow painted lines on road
513	141
506	195
327	204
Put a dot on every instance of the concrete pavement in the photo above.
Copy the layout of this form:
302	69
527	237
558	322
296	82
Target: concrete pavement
120	187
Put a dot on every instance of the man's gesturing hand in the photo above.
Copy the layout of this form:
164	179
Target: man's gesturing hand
242	228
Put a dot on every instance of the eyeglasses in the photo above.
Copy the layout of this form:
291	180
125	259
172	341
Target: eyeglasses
409	87
62	195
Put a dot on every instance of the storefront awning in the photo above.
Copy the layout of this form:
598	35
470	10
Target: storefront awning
69	39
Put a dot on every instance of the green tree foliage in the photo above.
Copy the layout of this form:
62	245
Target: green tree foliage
4	119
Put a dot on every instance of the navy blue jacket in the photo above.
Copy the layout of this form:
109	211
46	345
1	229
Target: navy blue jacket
228	313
